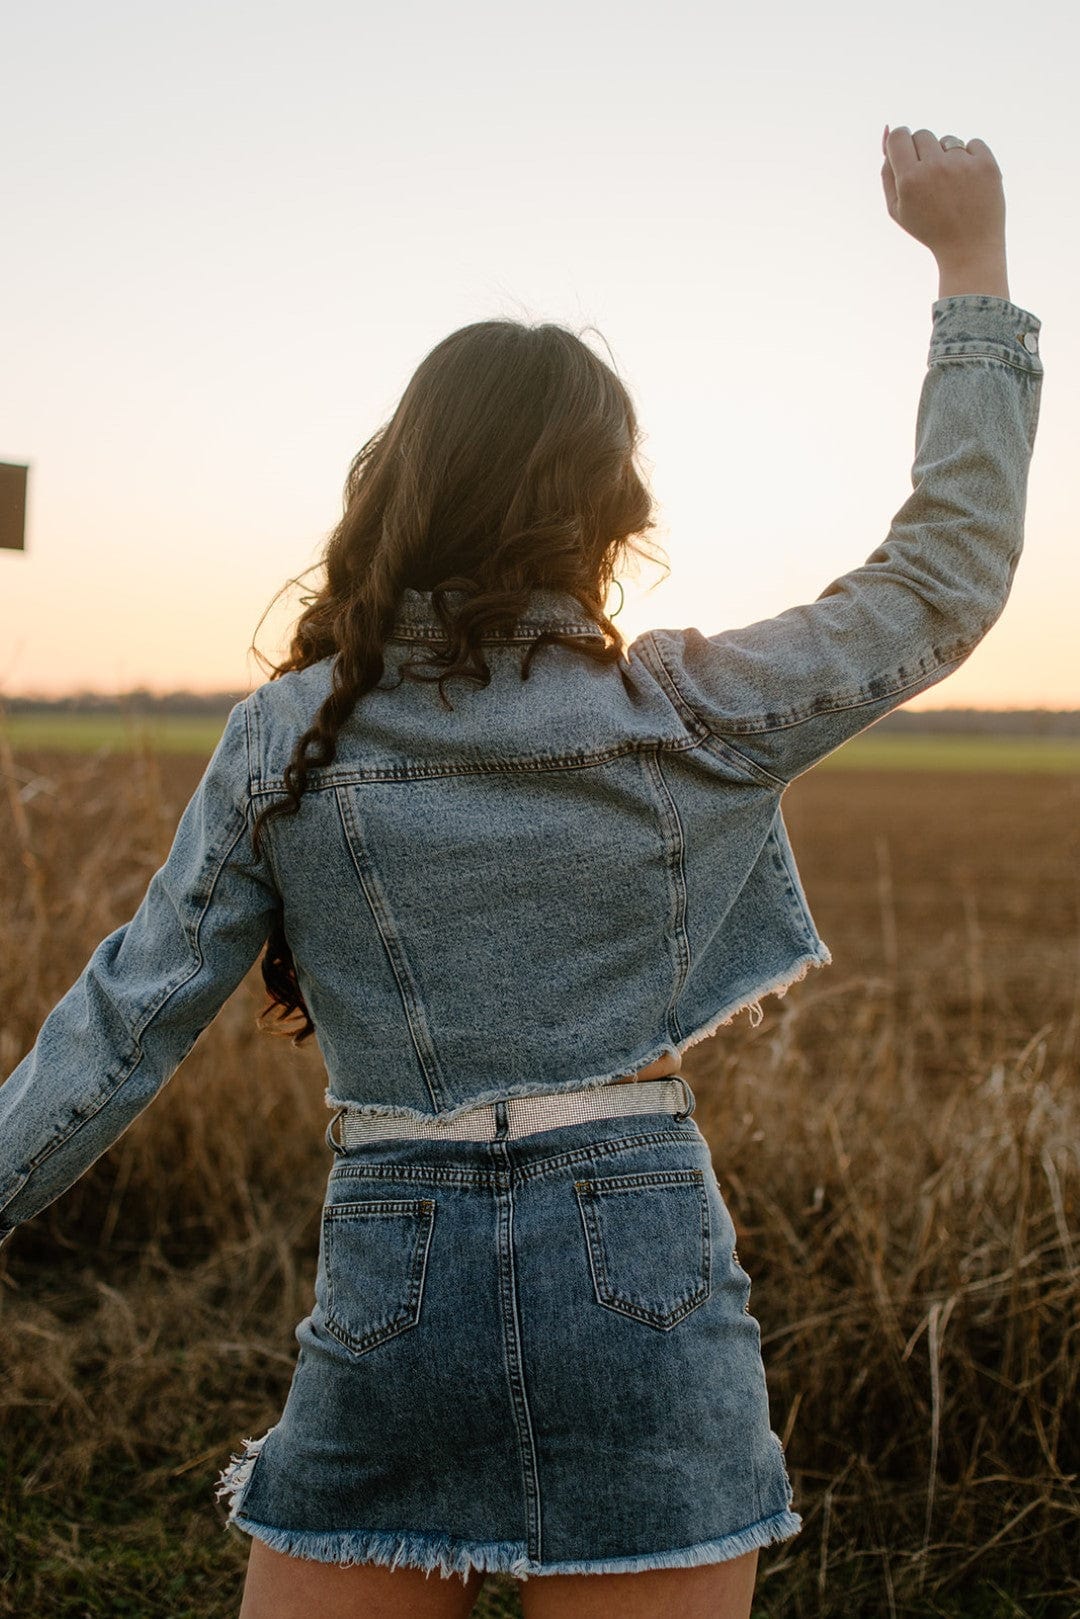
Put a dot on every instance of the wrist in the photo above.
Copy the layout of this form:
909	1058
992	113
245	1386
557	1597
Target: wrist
984	273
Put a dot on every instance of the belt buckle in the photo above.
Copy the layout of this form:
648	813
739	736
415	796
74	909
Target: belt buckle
331	1141
689	1094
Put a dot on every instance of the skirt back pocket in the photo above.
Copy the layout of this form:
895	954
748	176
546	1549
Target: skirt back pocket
648	1241
372	1268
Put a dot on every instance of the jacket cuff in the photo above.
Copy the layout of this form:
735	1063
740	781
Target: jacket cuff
974	323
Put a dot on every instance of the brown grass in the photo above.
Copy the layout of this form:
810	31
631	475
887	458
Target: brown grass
898	1142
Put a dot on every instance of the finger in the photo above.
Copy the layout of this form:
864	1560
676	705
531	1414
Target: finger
979	148
926	144
900	150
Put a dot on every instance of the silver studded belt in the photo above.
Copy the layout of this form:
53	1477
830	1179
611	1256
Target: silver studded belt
519	1115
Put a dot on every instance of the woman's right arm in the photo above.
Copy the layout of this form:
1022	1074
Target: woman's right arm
788	690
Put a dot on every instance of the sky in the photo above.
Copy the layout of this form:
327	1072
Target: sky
232	232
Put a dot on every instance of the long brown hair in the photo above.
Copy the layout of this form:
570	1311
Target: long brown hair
509	464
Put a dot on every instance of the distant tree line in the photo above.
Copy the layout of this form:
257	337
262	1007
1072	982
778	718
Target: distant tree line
141	702
137	702
986	721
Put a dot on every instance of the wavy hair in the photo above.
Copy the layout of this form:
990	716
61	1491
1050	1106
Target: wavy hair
508	465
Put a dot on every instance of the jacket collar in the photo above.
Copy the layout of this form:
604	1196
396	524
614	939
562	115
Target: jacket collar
416	619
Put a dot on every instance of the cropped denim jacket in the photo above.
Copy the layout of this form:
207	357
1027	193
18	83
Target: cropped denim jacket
551	882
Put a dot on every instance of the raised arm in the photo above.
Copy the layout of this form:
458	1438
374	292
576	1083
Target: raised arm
788	690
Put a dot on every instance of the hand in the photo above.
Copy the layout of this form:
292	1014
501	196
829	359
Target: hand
951	201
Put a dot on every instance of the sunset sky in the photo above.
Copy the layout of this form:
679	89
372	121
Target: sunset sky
232	231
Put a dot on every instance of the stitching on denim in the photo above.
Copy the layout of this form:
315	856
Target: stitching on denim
514	1359
938	357
650	648
364	1207
607	1293
779	846
674	863
196	935
410	999
116	1082
11	1196
643	1179
536	1169
577	628
422	1210
755	772
668	684
760	726
847	703
443	1176
751	768
253	722
542	1167
713	739
327	777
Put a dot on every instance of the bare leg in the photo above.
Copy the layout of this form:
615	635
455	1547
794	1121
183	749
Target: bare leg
713	1591
281	1587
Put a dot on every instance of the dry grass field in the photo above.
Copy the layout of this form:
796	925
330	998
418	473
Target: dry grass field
898	1143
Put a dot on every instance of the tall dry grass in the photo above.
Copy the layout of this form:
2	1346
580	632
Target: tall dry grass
898	1142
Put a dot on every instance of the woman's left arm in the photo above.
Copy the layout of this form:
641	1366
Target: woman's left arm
146	994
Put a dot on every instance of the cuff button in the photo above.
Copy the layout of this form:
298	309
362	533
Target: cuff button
1031	342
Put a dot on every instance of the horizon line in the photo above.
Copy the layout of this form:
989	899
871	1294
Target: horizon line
234	694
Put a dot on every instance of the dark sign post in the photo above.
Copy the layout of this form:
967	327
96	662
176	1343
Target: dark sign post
12	506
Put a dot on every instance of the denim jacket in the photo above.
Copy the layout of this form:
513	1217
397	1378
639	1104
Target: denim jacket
551	882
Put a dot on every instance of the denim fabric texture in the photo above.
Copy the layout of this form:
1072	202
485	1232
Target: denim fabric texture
534	1356
557	880
542	887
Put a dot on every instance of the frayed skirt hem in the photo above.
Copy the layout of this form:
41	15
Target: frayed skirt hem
462	1557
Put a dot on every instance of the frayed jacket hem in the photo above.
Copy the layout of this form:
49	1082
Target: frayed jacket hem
778	986
820	956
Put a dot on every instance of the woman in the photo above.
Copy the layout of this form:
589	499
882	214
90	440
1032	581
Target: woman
506	889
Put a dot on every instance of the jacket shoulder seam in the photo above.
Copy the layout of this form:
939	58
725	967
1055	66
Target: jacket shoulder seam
249	720
253	725
669	685
705	734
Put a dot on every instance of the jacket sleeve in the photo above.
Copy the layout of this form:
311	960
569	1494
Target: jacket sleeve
144	997
786	691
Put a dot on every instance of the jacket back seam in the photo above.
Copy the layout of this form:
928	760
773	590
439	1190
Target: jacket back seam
674	847
327	778
253	723
410	1000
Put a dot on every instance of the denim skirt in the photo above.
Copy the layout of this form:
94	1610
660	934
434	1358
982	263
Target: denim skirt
533	1356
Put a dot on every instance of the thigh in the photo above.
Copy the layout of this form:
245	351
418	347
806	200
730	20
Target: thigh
282	1587
711	1591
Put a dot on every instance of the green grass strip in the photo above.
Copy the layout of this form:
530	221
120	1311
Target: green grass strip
194	734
